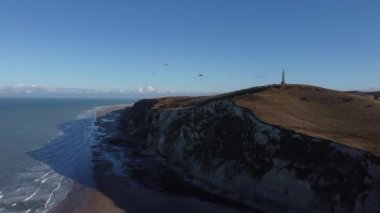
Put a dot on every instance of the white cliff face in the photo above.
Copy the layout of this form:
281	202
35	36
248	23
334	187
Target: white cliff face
226	150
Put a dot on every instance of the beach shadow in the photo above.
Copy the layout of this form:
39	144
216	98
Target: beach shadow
132	182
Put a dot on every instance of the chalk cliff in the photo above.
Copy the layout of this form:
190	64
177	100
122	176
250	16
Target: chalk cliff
226	149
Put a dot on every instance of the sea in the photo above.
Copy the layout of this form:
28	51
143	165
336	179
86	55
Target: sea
44	146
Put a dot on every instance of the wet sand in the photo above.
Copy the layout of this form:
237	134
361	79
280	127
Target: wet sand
127	199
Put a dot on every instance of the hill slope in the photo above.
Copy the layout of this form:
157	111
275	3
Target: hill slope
346	118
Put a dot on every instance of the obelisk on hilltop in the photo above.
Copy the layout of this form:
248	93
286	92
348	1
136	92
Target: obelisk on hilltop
283	78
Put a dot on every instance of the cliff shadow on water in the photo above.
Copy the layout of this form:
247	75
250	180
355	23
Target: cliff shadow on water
85	152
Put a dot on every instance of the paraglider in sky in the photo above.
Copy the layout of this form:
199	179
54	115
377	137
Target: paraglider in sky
200	76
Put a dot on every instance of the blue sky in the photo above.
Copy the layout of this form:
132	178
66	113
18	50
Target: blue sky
123	44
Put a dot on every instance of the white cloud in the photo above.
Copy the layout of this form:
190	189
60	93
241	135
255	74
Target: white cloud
150	89
373	89
18	86
20	90
140	89
147	89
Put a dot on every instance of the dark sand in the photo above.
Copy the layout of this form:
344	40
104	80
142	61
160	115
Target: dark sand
83	199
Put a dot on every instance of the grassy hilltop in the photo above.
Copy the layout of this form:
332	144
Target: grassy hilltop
347	118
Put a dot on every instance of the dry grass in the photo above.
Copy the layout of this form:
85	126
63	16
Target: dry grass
346	118
175	102
370	95
172	103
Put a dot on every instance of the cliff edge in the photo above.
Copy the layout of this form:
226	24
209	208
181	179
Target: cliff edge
279	149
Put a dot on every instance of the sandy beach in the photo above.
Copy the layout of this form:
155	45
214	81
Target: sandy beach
114	196
87	200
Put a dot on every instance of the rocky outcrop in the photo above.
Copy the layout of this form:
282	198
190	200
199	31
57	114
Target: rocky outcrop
226	150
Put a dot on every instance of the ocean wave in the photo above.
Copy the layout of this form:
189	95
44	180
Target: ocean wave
63	160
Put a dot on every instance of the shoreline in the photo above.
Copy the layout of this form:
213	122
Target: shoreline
103	111
83	198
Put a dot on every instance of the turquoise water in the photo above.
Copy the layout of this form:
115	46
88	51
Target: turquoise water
63	127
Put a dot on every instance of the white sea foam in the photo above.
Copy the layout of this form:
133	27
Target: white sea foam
44	180
43	176
105	120
33	194
88	113
51	194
